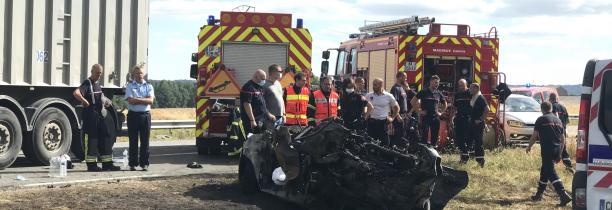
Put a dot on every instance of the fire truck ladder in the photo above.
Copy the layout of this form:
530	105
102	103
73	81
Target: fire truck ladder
405	25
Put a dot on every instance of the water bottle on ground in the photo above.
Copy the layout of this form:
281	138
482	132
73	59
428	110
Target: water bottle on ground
63	166
54	167
125	158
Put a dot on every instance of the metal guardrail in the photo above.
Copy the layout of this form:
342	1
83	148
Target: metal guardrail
573	117
168	124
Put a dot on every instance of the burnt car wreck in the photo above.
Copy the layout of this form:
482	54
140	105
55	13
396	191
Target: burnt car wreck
331	167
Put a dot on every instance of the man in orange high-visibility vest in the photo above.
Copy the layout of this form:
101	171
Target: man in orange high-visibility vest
323	103
296	101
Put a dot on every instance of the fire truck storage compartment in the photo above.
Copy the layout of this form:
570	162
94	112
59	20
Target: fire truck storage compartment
449	69
380	64
245	58
219	121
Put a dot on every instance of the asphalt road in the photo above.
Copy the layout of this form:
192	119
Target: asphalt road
168	158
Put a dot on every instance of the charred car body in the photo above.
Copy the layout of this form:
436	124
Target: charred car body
329	166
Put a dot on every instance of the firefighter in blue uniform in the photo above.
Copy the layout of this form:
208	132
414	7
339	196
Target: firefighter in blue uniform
98	142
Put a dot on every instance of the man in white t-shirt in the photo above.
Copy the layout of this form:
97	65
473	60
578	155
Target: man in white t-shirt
385	110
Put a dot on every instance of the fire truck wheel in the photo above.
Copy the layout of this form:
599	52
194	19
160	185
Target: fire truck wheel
10	137
208	146
51	136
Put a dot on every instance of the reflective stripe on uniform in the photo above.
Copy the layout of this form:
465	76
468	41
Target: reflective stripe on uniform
106	158
298	97
299	116
91	159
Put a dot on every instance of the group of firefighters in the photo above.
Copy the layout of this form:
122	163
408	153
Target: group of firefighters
391	117
386	116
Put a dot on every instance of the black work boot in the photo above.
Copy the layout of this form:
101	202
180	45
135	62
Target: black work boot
564	198
568	166
108	166
464	158
480	162
539	193
93	167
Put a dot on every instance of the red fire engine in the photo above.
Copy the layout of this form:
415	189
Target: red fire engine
230	50
382	49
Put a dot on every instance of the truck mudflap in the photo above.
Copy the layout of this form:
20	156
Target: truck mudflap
331	167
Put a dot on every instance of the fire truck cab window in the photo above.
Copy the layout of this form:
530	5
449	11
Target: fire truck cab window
606	101
341	63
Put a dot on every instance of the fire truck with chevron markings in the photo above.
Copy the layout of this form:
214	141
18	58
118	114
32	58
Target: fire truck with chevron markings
230	50
382	49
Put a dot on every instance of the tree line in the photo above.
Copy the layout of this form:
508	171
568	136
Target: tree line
168	94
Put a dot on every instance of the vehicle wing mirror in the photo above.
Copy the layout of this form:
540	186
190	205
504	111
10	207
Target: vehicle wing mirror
193	72
326	54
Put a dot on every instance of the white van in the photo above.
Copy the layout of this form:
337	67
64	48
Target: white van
592	183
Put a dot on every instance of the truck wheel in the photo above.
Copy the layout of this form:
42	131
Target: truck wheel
246	177
208	146
51	137
10	137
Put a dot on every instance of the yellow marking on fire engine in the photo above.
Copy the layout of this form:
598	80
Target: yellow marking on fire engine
496	51
255	39
466	41
443	40
299	55
402	56
202	59
199	132
455	41
204	30
419	64
208	40
244	34
477	66
280	35
419	52
492	108
478	54
402	68
418	76
409	39
201	103
477	78
419	40
306	34
297	39
216	60
206	124
230	33
478	43
420	87
432	39
402	45
200	90
267	36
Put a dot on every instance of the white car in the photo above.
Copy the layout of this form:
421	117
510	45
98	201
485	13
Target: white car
521	113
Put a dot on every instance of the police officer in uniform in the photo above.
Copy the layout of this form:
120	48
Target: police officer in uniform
430	98
98	142
353	106
461	121
549	130
139	95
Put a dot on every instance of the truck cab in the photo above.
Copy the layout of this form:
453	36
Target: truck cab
592	182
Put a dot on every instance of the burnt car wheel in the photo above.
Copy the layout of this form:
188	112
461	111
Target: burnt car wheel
246	177
423	204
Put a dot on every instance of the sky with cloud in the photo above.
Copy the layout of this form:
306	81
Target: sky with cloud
541	41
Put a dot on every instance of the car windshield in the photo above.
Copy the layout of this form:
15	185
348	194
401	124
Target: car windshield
524	93
516	104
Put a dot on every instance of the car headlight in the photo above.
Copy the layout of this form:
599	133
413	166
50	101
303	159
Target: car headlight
516	123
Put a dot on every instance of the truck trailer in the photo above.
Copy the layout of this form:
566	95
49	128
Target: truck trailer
48	48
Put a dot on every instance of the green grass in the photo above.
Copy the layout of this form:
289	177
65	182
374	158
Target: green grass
167	135
507	181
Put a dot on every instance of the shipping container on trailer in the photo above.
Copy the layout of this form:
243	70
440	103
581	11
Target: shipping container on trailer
230	49
450	51
48	48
